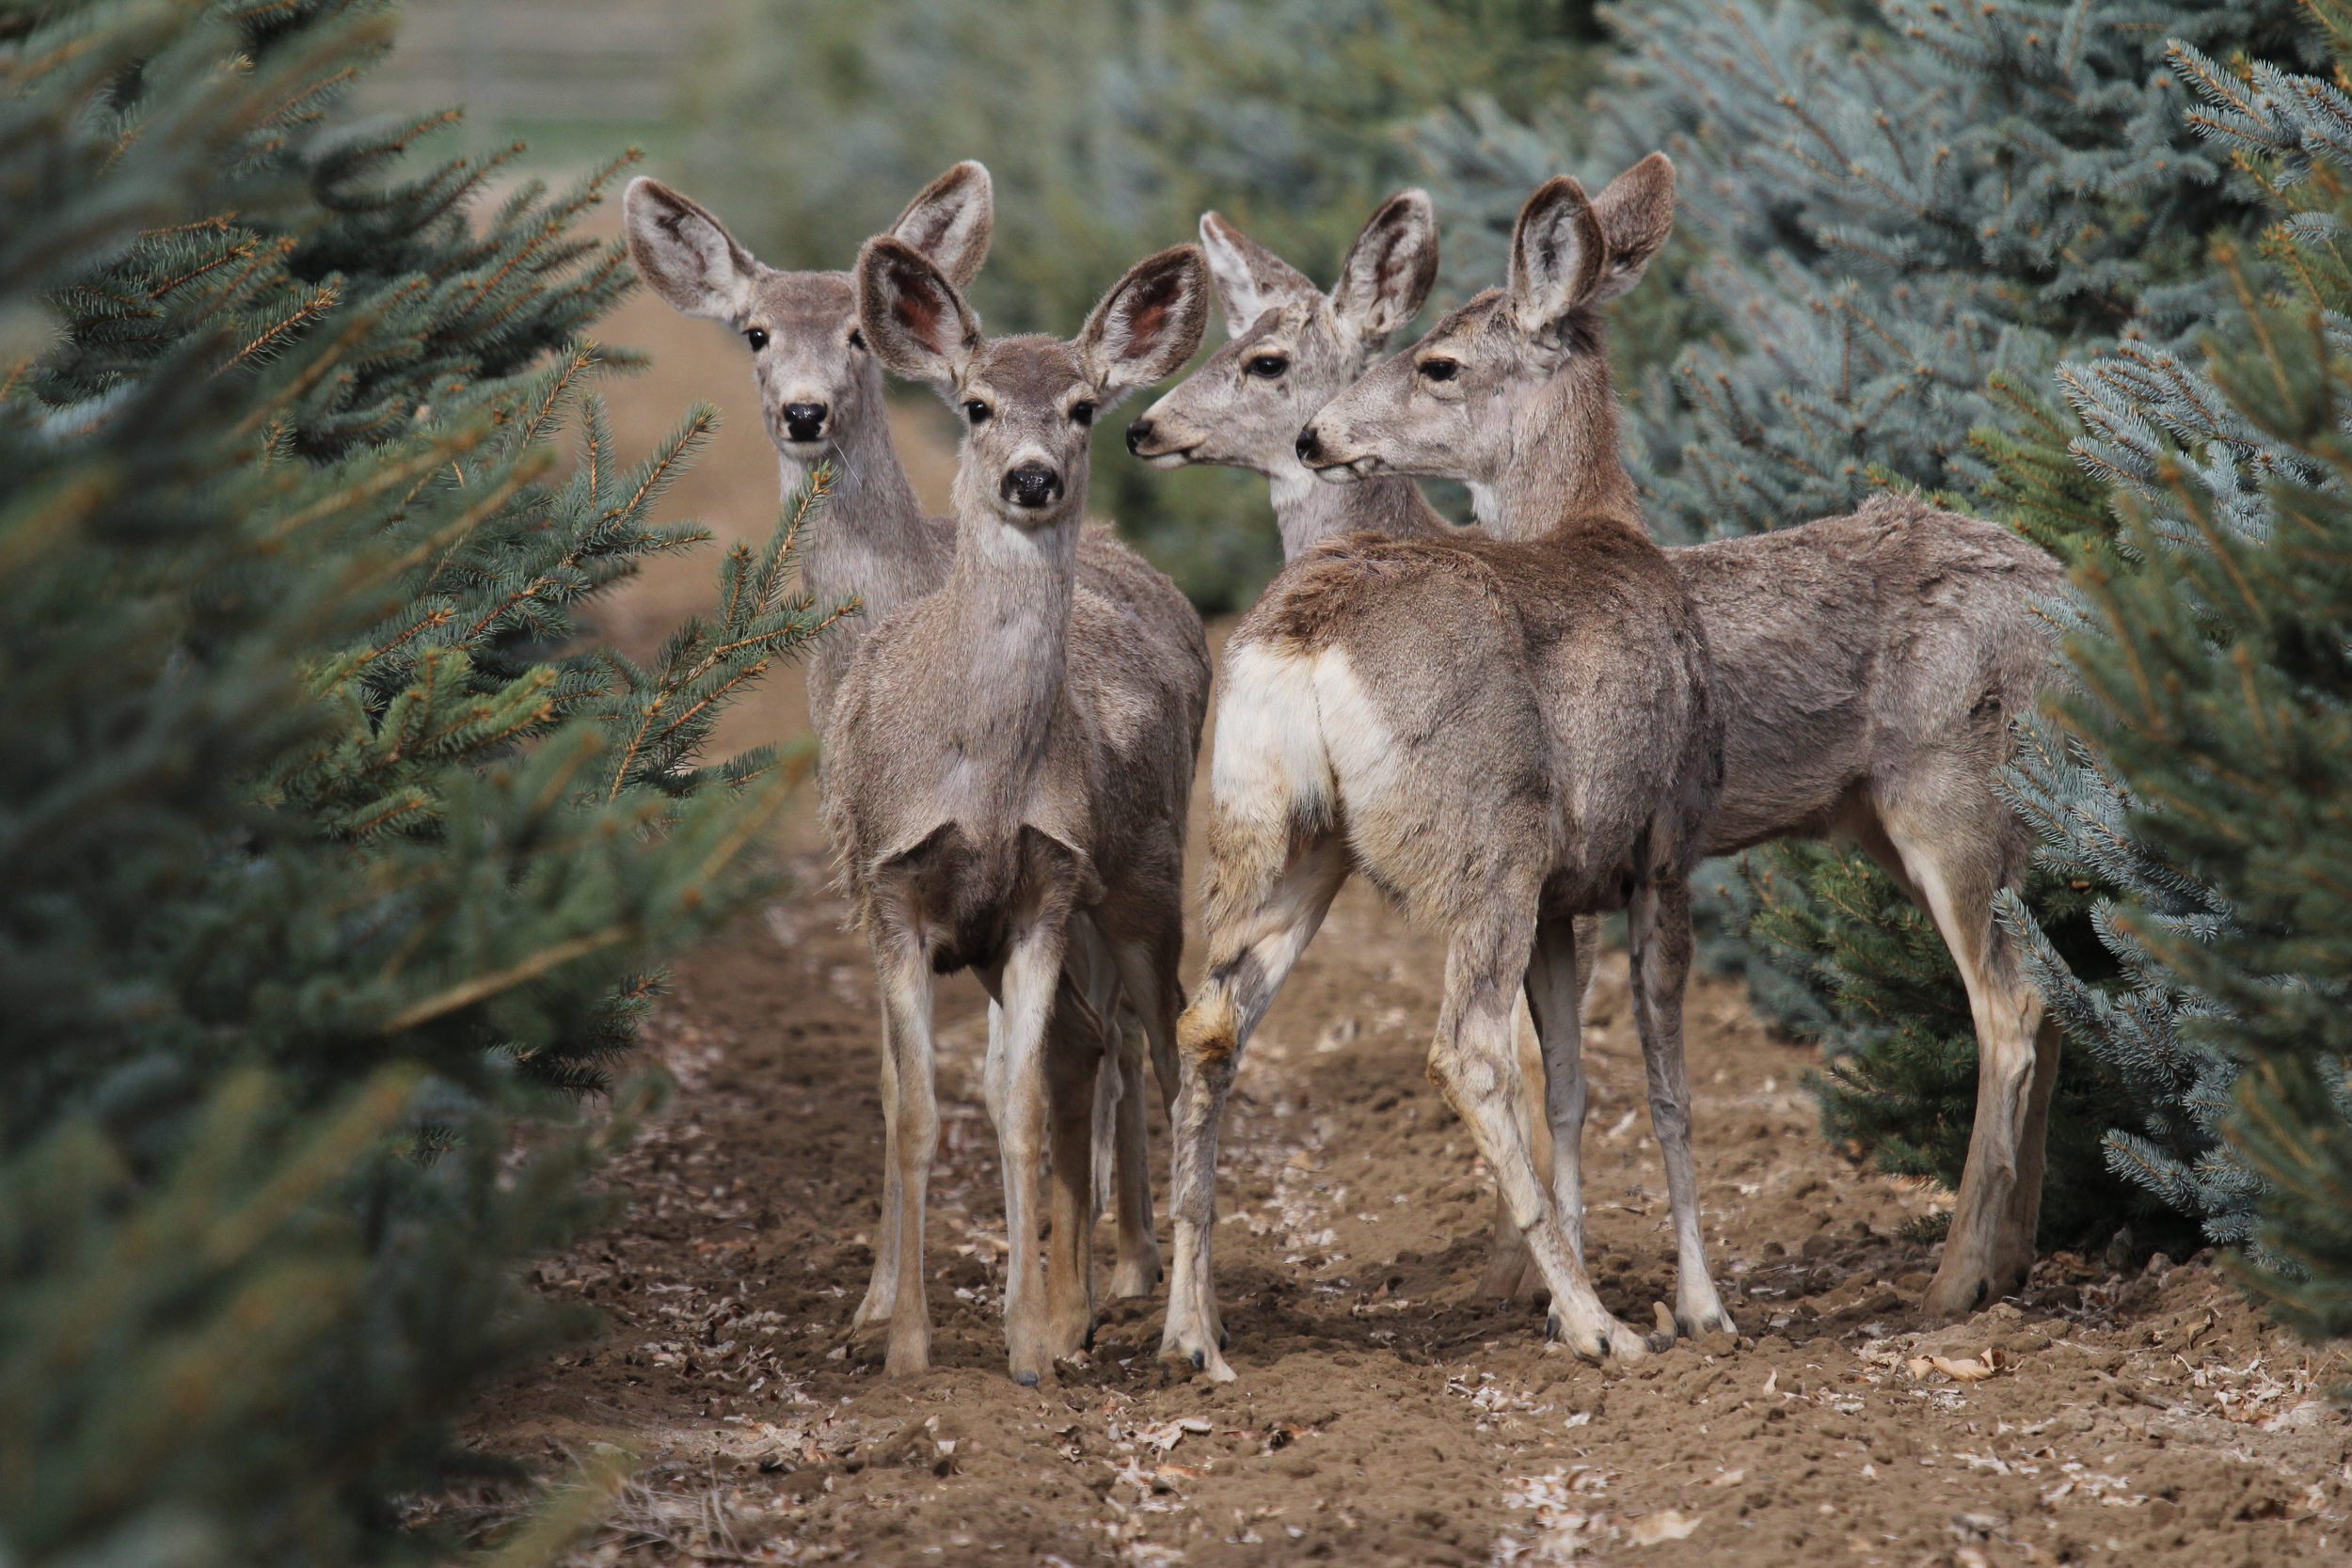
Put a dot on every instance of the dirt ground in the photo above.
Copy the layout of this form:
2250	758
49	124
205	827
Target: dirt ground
1385	1412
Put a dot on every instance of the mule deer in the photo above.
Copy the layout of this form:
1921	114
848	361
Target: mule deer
821	396
1857	655
1502	736
1012	755
1293	349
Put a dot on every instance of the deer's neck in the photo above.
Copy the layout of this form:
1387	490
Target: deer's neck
1564	473
1011	589
870	540
1307	511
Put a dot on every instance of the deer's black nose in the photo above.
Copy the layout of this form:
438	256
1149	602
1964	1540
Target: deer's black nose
1032	486
1138	433
804	421
1310	445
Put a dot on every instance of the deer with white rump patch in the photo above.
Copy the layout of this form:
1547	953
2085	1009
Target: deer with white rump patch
821	396
1501	735
1868	664
1012	755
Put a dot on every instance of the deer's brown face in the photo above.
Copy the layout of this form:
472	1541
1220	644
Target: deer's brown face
816	375
1028	403
1245	406
820	384
1028	409
1453	406
1443	408
1292	347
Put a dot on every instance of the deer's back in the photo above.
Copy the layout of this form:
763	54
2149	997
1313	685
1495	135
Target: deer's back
1497	709
1853	648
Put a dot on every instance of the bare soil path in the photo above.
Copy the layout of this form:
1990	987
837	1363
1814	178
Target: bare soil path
1385	1412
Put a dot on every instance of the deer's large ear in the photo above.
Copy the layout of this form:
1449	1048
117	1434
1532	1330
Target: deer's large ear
686	254
1636	214
1148	324
1251	279
951	221
1390	269
915	320
1557	253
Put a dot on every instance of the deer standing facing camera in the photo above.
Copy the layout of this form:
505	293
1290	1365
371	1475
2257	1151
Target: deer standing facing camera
1012	755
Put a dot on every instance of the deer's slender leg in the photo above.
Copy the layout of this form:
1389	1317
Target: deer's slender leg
1077	1054
1989	1251
1094	984
1032	973
1510	1273
1148	971
1252	950
1657	927
1138	1268
1472	1063
1554	996
882	1289
904	972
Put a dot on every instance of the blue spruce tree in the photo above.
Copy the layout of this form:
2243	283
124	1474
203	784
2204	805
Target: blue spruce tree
2199	778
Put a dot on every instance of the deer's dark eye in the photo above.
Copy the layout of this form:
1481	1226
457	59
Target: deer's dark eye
1440	370
757	338
857	338
976	411
1082	411
1266	366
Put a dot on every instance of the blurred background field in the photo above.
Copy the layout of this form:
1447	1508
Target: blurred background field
1110	128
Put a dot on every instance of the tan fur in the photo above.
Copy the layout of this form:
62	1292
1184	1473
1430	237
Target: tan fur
1013	753
1869	662
1502	736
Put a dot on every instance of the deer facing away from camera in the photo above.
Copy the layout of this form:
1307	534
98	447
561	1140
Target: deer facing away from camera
821	397
1868	664
1012	754
1501	735
1293	349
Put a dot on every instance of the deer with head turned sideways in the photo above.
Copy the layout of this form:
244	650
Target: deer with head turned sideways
1501	735
1868	664
1012	755
1293	349
821	397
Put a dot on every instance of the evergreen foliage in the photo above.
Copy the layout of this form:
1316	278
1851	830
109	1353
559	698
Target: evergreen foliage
1915	214
2198	783
325	867
1108	128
